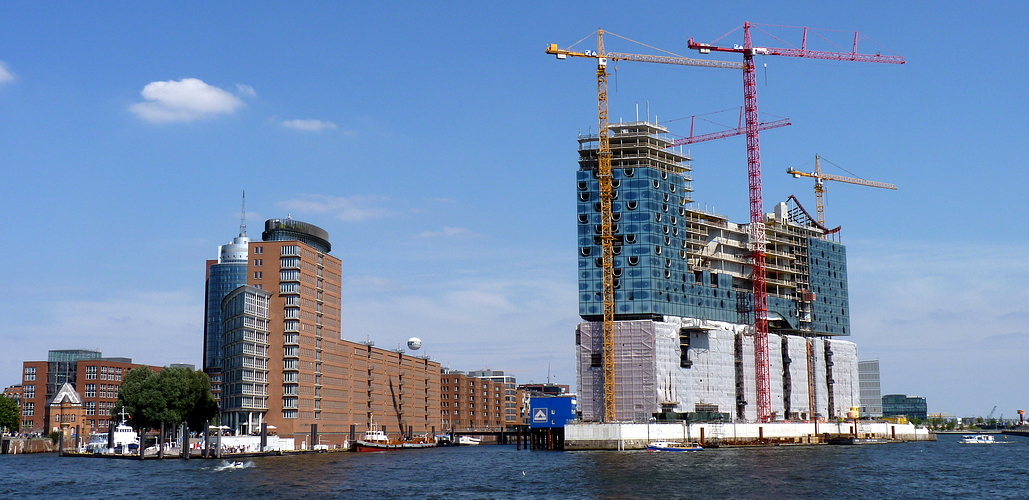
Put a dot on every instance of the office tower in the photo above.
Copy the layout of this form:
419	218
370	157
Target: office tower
244	365
321	388
903	405
871	391
224	275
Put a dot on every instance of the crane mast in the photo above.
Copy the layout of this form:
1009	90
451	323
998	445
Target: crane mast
607	237
757	232
757	218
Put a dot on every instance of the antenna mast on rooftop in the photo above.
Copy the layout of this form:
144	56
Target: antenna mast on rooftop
243	216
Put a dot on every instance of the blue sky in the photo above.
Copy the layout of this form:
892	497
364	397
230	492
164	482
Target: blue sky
436	144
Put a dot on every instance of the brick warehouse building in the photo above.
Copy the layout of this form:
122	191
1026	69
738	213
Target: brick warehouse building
95	378
479	401
285	363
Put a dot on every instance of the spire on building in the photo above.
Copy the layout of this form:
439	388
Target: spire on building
243	216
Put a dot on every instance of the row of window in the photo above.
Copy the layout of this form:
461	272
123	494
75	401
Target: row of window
469	413
30	373
106	391
446	404
106	373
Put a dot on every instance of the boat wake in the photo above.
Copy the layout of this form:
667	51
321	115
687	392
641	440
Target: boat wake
233	466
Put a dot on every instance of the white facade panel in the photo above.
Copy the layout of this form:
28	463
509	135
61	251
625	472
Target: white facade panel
649	371
800	405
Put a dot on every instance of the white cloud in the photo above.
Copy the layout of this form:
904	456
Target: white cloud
246	90
308	125
5	73
354	208
448	232
183	101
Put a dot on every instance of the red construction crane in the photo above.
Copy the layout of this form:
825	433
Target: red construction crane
757	214
739	130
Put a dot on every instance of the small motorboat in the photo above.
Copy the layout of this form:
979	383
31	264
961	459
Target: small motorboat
468	440
673	446
233	465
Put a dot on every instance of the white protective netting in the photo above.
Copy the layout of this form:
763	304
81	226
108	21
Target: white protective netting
648	370
635	366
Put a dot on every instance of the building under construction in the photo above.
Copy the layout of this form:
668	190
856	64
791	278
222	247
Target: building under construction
684	302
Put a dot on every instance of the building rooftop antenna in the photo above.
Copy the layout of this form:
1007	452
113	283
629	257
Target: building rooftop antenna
243	216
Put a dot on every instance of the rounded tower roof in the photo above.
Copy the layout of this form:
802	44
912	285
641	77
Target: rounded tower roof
289	230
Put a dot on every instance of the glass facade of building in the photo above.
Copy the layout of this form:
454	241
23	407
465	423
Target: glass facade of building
63	367
223	279
828	264
909	406
228	274
672	259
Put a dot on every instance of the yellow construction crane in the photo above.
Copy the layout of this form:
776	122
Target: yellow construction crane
604	175
818	176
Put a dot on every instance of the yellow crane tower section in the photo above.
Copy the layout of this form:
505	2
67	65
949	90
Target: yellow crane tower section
604	176
818	176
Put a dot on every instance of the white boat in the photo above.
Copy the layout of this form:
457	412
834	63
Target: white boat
124	439
673	446
977	439
468	440
377	440
233	465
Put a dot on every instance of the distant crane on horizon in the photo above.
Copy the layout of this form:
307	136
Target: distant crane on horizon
818	176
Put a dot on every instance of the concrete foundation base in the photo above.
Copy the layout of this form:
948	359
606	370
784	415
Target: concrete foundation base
619	436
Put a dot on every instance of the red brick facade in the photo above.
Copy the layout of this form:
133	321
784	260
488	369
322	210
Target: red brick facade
96	381
317	379
471	403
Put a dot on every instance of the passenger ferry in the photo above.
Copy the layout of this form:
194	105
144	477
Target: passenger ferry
673	446
977	439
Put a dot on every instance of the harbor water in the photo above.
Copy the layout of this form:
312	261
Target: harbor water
940	469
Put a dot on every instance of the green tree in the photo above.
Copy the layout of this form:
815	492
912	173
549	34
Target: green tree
204	407
9	417
173	396
138	396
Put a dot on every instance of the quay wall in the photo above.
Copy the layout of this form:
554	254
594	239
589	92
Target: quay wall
630	436
17	445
